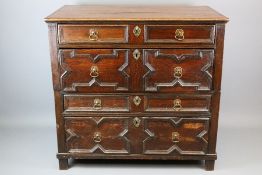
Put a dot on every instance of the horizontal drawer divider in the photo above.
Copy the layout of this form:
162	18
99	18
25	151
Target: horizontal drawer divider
131	46
141	93
153	114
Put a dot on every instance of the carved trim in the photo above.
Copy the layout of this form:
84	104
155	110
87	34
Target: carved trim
177	81
95	80
175	121
121	135
71	135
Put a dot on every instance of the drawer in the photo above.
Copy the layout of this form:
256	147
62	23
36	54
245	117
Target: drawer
96	103
97	135
185	34
176	136
177	103
92	34
178	70
94	70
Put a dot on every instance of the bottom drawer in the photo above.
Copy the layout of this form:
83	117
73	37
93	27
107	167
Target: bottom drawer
97	135
137	135
182	136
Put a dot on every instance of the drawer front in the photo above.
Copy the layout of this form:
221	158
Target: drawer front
178	70
97	135
96	103
177	103
176	136
92	34
94	70
180	34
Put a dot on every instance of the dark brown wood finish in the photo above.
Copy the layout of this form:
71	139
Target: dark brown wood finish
167	103
136	83
192	34
82	34
94	70
195	70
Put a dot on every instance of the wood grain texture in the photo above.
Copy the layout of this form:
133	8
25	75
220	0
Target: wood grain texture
82	34
135	13
192	33
150	96
112	70
196	70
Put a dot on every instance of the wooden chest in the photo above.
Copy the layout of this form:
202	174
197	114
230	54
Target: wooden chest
136	82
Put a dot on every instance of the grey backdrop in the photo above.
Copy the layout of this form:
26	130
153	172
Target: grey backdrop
26	99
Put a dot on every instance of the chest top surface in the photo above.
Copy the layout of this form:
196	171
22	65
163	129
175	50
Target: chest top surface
135	13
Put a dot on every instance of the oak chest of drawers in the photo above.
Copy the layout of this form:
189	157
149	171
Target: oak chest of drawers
136	82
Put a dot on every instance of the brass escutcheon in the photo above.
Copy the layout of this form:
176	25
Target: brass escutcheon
136	122
97	104
137	31
175	137
137	100
93	35
97	137
179	34
94	71
178	72
177	105
136	54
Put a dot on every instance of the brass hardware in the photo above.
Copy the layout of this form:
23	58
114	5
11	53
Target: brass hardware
175	137
136	122
177	105
94	71
97	104
179	34
137	100
97	137
178	72
137	31
136	54
93	35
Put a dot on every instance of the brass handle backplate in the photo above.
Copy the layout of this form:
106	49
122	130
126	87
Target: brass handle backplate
97	104
137	100
179	34
94	71
136	54
178	72
175	137
93	35
136	122
177	105
137	31
97	137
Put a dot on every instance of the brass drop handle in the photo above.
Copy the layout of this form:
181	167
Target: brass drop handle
136	122
178	72
94	71
93	35
97	104
137	31
179	34
175	137
177	105
97	137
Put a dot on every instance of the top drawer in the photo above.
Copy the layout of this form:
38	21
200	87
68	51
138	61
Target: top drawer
92	34
186	34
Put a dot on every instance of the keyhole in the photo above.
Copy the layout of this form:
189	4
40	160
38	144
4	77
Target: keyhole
136	54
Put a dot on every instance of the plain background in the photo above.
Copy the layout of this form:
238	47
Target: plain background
27	121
